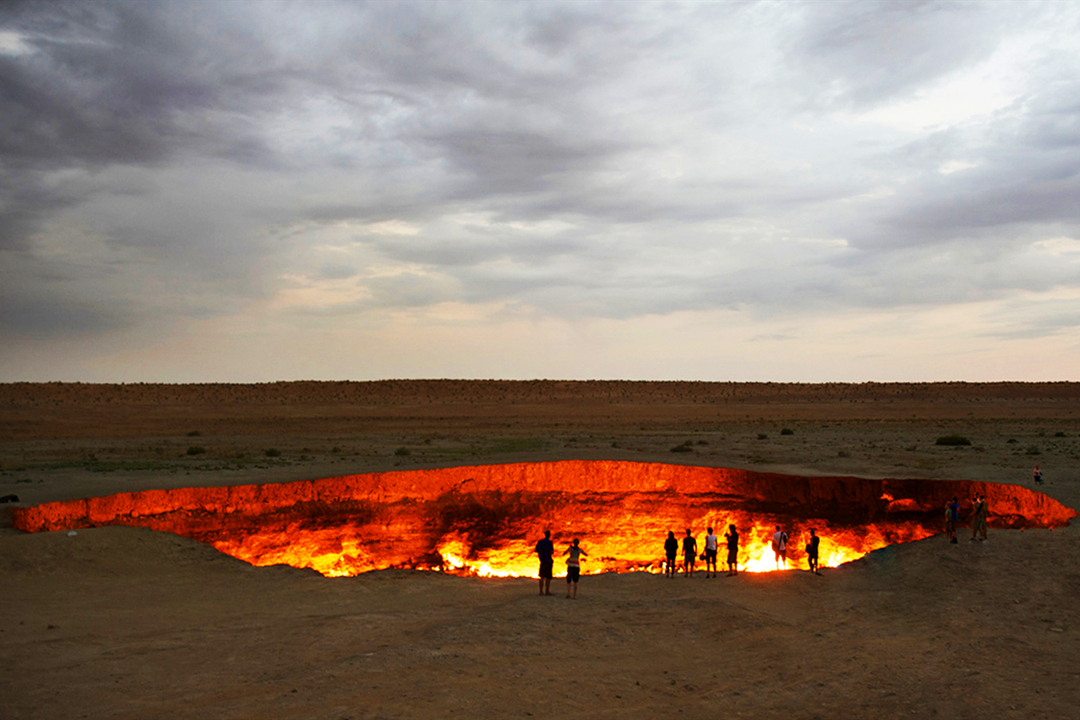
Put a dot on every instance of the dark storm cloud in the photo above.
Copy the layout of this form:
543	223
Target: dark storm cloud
42	317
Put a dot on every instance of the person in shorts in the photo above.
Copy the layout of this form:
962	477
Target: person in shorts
710	553
545	550
573	567
689	548
779	546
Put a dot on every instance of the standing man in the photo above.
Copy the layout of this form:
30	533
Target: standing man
710	553
812	551
545	550
1038	475
732	537
573	567
779	546
978	523
671	549
689	548
952	516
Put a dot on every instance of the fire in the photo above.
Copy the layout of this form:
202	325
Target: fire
486	520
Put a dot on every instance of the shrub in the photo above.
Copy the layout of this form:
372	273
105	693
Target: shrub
762	436
685	447
402	451
273	452
196	450
1033	450
1059	433
787	431
843	453
952	440
1011	441
194	433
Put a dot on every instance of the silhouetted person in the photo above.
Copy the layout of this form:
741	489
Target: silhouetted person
671	549
573	567
779	546
978	522
732	537
689	549
710	553
812	551
952	516
545	550
1038	475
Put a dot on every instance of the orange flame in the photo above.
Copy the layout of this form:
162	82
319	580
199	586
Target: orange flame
485	520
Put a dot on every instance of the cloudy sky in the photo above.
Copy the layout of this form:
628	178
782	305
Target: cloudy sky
815	191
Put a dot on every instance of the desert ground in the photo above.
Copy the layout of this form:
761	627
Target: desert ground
129	623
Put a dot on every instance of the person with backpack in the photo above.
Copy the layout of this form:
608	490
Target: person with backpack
779	546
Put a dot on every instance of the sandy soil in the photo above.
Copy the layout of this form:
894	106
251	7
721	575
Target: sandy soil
128	623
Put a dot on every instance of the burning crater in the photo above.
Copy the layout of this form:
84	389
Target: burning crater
485	520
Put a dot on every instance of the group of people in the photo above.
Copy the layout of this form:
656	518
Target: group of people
780	540
980	511
690	552
545	550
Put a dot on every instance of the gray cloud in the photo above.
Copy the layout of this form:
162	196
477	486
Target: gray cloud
584	159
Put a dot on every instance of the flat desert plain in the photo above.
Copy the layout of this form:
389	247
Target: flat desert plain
130	623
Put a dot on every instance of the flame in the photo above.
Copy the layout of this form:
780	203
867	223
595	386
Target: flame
610	550
484	521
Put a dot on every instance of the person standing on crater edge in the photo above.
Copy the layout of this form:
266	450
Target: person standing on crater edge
545	550
689	548
1037	475
732	537
573	567
952	516
779	546
978	522
710	553
812	551
671	549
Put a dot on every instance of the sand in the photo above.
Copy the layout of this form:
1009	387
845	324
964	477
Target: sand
129	623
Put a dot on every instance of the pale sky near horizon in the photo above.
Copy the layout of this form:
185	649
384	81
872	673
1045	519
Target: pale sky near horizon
786	191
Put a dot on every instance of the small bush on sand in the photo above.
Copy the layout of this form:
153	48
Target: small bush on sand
273	452
196	450
1033	450
685	447
787	431
194	433
952	440
403	451
762	436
